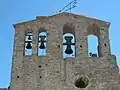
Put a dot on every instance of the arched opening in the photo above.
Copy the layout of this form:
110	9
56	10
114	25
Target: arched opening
68	40
68	45
42	44
95	41
92	46
28	44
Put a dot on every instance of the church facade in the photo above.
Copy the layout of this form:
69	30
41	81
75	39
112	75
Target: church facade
39	61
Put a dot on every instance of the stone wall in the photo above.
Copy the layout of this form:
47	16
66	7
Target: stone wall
52	72
3	89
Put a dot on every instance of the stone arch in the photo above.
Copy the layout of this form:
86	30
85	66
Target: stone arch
42	29
28	31
69	28
42	34
68	40
28	37
94	29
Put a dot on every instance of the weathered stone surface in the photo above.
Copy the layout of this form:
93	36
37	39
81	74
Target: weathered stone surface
52	72
3	89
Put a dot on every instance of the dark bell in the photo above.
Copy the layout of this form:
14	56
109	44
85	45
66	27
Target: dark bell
68	43
69	51
28	46
42	46
68	38
29	38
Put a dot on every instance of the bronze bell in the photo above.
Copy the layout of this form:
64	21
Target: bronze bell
42	46
28	46
68	43
68	50
29	37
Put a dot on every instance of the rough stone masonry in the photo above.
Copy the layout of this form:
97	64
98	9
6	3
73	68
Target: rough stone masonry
52	71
